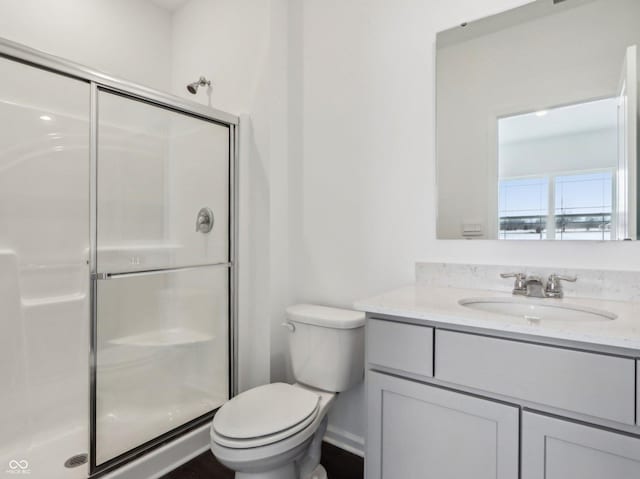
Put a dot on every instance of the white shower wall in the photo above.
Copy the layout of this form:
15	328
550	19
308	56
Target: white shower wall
44	244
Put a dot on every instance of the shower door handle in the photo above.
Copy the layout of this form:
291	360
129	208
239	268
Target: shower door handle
205	220
147	272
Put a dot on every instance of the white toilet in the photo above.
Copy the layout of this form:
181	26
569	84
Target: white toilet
275	431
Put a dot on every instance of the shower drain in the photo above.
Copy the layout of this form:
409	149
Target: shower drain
77	460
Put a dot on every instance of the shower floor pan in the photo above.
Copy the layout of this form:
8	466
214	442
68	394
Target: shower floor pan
46	459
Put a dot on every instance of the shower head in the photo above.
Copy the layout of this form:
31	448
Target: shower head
193	87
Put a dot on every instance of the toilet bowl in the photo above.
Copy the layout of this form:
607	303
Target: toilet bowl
275	431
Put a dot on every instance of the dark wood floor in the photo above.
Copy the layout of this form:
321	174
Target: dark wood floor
339	464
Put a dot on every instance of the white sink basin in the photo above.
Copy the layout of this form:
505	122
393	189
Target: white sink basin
537	309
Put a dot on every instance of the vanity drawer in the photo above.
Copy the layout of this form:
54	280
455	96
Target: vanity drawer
406	347
587	383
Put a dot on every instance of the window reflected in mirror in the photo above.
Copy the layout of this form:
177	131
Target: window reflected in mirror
556	172
537	123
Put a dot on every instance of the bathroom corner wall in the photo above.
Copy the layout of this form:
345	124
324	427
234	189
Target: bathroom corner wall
337	175
241	45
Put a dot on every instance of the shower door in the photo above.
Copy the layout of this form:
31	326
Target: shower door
161	273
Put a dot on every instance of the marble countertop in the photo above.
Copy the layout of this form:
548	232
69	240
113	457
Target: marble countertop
421	302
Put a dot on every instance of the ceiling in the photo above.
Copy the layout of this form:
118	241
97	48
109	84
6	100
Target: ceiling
171	5
579	118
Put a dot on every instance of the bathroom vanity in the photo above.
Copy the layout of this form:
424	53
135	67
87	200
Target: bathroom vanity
458	392
471	383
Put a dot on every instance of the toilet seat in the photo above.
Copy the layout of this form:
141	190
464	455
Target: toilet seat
264	415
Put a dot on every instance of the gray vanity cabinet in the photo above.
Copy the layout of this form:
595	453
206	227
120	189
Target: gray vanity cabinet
451	404
557	449
421	423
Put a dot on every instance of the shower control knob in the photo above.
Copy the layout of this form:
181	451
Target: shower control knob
205	220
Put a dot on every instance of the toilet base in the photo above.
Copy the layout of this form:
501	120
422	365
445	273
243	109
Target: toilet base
288	471
318	473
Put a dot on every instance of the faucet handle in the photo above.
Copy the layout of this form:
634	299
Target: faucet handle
520	283
559	277
553	289
513	275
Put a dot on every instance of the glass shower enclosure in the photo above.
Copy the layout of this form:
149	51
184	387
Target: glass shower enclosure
117	244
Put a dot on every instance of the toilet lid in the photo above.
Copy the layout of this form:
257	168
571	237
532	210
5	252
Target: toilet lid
265	411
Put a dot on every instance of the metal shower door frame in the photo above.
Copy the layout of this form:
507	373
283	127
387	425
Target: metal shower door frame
99	81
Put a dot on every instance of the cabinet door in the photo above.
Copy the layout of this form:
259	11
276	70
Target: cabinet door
557	449
418	431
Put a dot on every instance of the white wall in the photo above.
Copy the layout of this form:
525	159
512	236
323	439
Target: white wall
555	60
364	186
241	45
367	196
228	42
130	39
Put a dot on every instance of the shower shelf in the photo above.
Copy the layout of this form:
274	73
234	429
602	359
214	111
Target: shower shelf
164	337
51	300
137	247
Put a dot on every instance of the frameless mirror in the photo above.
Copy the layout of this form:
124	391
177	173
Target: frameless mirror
537	123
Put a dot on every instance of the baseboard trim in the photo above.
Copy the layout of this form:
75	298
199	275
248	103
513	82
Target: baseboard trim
345	440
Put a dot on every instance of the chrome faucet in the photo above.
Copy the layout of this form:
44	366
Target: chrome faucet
534	287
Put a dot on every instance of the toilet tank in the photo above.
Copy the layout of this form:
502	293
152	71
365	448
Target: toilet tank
326	346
